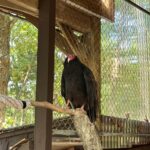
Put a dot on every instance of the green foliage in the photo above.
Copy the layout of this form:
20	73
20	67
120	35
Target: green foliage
125	63
22	82
23	49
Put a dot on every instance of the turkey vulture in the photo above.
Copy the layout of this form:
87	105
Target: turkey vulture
78	86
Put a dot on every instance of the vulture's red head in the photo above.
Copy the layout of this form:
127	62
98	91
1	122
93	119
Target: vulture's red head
71	57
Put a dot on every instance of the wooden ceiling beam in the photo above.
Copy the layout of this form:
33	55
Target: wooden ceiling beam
12	6
71	17
108	9
91	5
64	13
104	8
97	8
31	5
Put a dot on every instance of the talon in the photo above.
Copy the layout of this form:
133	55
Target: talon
68	103
82	108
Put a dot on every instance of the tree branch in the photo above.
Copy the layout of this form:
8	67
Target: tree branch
52	107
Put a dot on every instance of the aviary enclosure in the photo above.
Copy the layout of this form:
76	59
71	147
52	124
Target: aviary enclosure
115	47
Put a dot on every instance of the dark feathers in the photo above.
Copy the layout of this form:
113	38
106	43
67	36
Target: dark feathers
79	86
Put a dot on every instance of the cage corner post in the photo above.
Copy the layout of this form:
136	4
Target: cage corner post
45	74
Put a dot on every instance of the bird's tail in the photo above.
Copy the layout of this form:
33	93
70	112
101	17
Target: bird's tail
91	114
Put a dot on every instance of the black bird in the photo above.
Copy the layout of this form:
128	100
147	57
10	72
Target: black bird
78	86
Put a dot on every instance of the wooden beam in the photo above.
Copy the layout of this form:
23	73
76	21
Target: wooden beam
64	13
20	15
97	8
104	8
28	4
108	9
13	6
140	147
94	44
45	74
95	60
71	17
93	6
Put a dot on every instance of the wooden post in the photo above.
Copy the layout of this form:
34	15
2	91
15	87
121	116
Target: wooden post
45	73
95	37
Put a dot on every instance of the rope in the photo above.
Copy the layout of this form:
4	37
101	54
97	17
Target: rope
11	102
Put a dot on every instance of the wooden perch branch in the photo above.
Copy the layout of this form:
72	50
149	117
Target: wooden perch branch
52	107
18	144
18	104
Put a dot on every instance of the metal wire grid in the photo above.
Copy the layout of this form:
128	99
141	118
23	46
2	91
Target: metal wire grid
125	78
125	64
145	4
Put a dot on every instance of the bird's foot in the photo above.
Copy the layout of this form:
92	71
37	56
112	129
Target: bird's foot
81	109
69	105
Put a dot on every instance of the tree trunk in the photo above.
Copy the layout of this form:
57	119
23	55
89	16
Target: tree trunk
4	59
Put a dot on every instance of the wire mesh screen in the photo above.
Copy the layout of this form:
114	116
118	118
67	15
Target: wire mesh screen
125	63
144	4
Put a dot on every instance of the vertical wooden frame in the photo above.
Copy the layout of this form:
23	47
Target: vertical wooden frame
45	74
95	44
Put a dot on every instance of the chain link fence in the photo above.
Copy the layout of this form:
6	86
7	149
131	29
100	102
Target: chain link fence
125	63
125	80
